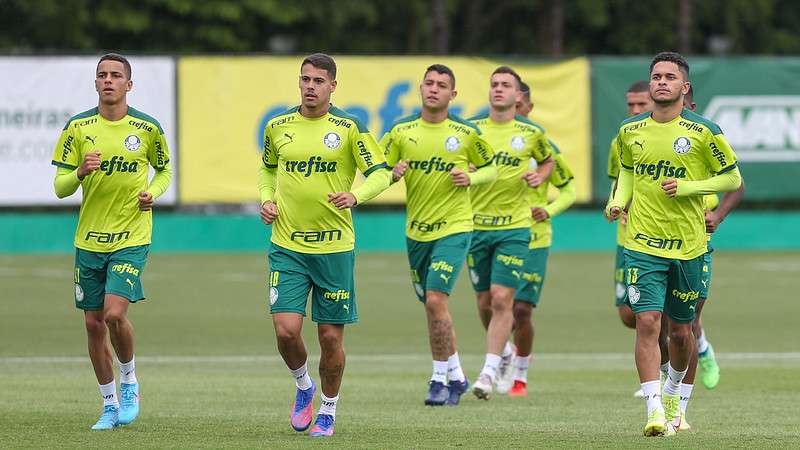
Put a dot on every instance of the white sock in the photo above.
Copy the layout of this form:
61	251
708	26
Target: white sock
454	372
665	369
521	368
301	378
109	393
702	343
439	371
652	395
327	405
508	350
674	378
490	365
686	394
127	372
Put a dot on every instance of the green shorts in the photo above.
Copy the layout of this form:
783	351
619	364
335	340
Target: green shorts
663	284
329	278
118	273
497	257
532	278
435	265
706	275
620	293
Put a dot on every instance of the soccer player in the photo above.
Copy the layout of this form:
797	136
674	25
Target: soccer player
666	157
106	151
311	153
502	218
431	150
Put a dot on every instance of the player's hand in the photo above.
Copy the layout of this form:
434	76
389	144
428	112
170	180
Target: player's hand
623	218
399	170
539	214
471	167
269	212
712	221
533	179
145	201
91	162
670	187
459	177
342	200
613	213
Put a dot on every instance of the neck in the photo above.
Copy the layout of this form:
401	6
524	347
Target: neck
113	111
434	115
318	111
503	115
666	112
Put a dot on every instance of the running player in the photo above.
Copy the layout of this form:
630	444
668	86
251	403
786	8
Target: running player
501	216
106	151
666	157
311	153
431	150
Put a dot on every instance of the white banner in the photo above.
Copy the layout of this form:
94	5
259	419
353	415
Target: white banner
37	97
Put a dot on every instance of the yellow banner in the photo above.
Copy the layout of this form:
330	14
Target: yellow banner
225	101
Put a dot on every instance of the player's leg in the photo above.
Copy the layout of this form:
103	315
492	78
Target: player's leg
289	285
525	299
620	293
646	277
709	370
90	280
331	370
687	386
480	264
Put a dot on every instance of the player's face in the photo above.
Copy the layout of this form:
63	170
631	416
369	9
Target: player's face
436	90
504	91
667	83
638	102
315	86
111	82
524	106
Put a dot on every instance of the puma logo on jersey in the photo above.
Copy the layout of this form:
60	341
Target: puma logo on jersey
90	139
640	144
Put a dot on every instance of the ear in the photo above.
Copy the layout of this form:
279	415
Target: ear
333	85
453	95
129	86
685	88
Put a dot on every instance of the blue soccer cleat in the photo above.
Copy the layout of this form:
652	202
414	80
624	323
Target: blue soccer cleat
301	410
457	389
323	427
128	402
438	393
108	419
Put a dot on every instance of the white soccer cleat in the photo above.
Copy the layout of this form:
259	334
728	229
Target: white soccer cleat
639	394
483	387
505	375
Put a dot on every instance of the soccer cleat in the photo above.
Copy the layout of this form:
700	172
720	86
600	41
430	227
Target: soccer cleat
323	426
684	426
438	394
301	410
109	418
639	394
672	409
709	370
520	389
128	402
457	389
483	387
505	375
657	425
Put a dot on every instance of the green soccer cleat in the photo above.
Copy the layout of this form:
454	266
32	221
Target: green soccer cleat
709	370
657	425
672	409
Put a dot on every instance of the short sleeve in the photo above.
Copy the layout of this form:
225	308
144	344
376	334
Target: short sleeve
542	148
66	154
625	154
719	154
562	174
391	149
613	159
159	151
366	152
268	156
480	153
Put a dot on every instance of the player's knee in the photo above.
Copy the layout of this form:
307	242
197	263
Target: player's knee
113	319
286	334
330	339
501	294
680	335
522	313
95	326
627	317
649	323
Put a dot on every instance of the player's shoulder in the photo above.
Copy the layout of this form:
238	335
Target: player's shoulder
347	120
480	119
83	118
692	118
405	123
528	125
139	115
634	120
283	117
462	125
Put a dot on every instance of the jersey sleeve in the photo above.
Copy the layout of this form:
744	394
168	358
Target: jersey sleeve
480	153
66	154
269	156
366	152
562	174
542	149
159	151
625	154
391	149
613	159
719	154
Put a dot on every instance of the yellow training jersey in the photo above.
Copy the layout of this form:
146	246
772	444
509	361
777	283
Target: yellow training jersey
542	232
613	173
109	218
501	204
435	207
688	147
315	157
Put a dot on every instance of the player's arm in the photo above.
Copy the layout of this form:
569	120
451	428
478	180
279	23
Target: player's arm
728	203
268	180
721	161
613	168
624	187
371	163
543	154
481	155
391	151
70	169
159	159
562	179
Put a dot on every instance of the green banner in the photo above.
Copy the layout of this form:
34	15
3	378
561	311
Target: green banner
756	102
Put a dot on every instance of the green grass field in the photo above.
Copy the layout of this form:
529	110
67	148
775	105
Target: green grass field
211	376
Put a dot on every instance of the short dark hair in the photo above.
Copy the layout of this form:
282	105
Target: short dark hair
525	89
119	58
510	71
321	61
673	58
441	68
639	86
